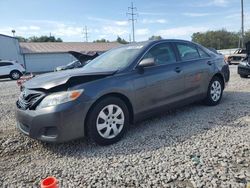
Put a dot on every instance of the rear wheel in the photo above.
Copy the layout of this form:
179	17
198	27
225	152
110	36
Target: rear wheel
108	121
15	75
215	91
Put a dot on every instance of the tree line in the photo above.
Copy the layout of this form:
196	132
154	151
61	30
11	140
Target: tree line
119	40
43	38
218	39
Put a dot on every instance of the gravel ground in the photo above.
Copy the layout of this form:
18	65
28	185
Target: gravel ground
194	146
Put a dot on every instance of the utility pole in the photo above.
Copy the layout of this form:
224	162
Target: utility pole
85	32
242	24
132	13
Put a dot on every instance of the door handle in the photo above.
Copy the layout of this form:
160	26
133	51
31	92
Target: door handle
209	62
178	69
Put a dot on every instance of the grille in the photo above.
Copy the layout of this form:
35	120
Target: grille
28	99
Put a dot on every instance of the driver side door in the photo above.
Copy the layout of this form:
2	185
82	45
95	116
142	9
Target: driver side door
164	81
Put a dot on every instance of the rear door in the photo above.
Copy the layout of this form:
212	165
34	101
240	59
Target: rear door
196	66
164	81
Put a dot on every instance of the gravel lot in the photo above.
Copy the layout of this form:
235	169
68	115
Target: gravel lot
194	146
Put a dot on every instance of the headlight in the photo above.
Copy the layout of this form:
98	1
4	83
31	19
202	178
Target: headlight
59	98
243	63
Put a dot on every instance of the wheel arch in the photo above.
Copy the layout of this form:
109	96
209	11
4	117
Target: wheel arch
124	98
15	70
219	75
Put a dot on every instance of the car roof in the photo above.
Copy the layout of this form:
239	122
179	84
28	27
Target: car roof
151	42
6	61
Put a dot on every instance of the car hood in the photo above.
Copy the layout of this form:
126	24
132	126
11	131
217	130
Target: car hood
51	80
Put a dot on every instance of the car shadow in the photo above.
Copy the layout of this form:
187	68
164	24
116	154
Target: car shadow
165	130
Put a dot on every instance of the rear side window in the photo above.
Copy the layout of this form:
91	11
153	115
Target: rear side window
5	64
202	53
187	52
162	54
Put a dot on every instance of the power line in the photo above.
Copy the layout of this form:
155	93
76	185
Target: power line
132	13
85	32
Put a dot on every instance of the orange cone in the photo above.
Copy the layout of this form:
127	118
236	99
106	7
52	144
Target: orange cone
49	182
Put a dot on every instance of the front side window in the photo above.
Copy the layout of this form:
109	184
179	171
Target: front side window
162	54
202	53
187	52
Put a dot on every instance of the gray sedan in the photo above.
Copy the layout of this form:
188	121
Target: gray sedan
118	88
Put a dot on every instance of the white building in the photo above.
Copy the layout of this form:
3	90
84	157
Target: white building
46	56
10	49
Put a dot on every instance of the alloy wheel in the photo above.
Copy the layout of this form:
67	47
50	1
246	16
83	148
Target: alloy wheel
215	91
110	121
15	75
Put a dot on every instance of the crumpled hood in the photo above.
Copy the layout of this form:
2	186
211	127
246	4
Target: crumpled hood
50	80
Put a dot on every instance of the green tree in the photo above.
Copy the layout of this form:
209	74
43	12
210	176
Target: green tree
155	37
220	39
247	36
101	40
121	41
21	39
44	39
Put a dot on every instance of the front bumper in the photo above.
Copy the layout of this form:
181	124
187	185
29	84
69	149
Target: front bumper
61	123
243	70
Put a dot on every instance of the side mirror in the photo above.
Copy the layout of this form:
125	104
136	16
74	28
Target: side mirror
147	62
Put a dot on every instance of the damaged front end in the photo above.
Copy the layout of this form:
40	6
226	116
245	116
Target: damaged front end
36	89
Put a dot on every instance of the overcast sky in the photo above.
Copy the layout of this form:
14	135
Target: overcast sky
107	18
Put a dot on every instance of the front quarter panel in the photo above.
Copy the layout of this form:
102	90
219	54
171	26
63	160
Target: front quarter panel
118	83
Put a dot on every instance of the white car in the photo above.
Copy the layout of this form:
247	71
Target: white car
11	69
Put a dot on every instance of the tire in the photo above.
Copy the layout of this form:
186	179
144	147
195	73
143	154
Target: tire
243	76
102	126
214	92
15	75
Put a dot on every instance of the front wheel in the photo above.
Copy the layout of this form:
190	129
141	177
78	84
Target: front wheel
215	91
108	121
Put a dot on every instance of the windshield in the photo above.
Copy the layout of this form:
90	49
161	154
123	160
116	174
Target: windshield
115	59
73	63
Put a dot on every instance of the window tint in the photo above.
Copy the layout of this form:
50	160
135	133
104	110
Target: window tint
162	54
202	53
187	52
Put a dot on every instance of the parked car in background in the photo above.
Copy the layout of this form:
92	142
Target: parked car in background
11	69
82	59
235	58
122	86
71	65
244	68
